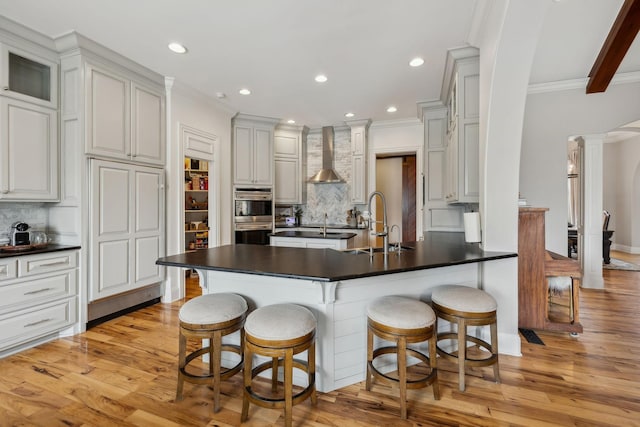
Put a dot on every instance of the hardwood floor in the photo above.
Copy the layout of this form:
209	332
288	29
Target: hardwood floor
123	372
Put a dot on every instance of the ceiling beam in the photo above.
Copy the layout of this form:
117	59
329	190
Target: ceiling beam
615	47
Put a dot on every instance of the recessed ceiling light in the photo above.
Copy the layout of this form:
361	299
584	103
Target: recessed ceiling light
244	91
177	48
392	109
291	121
349	115
321	78
416	62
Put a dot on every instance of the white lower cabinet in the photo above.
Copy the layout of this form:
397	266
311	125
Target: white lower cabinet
312	243
127	224
38	298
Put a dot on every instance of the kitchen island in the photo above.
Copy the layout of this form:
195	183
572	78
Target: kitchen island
337	286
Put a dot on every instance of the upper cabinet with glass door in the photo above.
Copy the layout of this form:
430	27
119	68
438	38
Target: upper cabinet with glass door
28	77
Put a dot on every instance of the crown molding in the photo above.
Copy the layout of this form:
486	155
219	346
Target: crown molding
620	78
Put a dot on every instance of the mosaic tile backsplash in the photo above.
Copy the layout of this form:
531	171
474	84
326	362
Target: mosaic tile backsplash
34	214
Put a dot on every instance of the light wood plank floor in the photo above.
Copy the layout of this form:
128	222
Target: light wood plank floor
123	372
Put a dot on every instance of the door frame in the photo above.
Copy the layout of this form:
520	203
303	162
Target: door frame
374	152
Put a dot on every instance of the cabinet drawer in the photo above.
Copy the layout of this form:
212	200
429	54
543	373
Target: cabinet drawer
39	290
8	269
37	264
23	326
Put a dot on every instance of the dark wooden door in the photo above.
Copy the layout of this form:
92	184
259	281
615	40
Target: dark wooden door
409	198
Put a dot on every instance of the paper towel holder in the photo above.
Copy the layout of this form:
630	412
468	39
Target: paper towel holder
472	231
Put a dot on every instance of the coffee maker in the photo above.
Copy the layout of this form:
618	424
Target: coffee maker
18	235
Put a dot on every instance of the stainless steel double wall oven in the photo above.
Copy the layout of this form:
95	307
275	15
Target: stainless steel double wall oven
253	215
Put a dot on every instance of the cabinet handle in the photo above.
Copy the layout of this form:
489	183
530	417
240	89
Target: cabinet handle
6	88
53	264
38	291
28	325
4	191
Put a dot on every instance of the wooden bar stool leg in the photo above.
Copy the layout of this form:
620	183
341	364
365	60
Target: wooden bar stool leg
369	357
494	350
462	351
248	366
215	356
182	357
433	342
401	343
274	374
311	362
288	387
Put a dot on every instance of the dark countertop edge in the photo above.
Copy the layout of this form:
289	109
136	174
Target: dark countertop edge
313	235
47	249
347	276
255	273
329	226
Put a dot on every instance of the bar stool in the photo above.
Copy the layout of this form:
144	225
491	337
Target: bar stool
466	306
403	321
211	317
279	331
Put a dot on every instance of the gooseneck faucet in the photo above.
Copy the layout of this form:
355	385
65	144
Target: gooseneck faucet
385	230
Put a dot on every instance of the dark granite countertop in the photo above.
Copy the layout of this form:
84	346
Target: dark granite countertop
43	250
314	235
328	265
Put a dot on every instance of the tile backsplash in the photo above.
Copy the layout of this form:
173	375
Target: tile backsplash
34	214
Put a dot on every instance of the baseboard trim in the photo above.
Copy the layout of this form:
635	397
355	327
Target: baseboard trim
624	248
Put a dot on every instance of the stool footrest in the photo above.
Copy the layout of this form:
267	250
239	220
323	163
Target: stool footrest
205	378
474	362
279	403
411	384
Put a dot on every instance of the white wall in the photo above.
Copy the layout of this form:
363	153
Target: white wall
191	108
620	192
550	119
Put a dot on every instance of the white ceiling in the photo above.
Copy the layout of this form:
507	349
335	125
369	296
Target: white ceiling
276	47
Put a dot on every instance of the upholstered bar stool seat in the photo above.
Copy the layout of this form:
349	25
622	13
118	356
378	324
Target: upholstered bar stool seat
402	321
211	317
466	306
279	332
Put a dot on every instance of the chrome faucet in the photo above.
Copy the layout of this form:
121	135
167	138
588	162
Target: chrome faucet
324	228
398	246
385	229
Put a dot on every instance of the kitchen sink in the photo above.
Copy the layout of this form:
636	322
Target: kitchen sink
367	250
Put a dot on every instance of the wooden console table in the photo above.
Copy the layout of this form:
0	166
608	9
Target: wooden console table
535	264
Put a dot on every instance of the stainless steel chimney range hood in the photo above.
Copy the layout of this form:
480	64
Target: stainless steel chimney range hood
326	175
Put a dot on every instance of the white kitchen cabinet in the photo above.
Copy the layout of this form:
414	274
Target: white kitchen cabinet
359	130
28	151
463	104
38	298
126	226
290	161
253	150
125	119
29	76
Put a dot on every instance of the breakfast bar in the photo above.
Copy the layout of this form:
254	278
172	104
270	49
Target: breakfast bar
337	286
